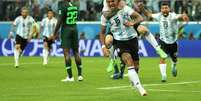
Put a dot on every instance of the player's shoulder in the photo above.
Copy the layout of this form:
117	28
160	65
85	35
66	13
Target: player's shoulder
18	17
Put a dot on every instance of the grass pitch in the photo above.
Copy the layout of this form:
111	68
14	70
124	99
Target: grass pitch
34	82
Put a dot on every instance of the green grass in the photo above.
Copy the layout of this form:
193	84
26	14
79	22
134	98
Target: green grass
35	82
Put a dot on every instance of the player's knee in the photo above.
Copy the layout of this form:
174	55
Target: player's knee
45	45
17	47
127	58
108	40
162	61
142	30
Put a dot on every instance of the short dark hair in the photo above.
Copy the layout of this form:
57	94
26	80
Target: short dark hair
165	3
50	10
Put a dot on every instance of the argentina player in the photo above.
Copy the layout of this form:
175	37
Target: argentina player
126	39
168	23
48	25
22	24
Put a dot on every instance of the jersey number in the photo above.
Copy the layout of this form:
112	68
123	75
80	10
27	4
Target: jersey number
71	17
117	21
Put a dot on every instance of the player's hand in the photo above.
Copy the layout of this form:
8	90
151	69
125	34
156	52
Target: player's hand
105	51
185	17
129	23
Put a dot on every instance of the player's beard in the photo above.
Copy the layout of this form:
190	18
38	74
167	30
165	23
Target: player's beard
165	14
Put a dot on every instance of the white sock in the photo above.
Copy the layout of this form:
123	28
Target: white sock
45	55
133	76
162	69
16	57
150	38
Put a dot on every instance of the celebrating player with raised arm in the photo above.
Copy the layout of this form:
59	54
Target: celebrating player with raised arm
168	23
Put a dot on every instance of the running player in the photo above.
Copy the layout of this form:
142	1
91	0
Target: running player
69	37
23	25
141	30
168	22
48	25
126	39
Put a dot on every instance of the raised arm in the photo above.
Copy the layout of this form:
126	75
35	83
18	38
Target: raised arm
144	11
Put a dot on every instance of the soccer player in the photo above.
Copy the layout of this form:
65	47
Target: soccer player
69	37
126	39
48	25
168	22
141	30
23	26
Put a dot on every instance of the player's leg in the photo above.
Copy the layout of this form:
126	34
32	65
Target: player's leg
150	38
78	62
132	74
173	55
75	47
68	66
126	49
109	45
66	44
45	51
19	47
163	65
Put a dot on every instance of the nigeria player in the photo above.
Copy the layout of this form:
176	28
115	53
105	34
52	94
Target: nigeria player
48	25
22	25
126	39
168	23
69	37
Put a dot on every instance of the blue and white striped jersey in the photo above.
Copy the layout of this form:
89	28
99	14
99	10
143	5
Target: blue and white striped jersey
48	26
117	27
168	26
23	26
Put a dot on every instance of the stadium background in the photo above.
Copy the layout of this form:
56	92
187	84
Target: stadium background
89	25
35	82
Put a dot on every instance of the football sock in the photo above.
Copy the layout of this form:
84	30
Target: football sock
16	56
45	55
133	76
150	38
69	68
79	69
162	69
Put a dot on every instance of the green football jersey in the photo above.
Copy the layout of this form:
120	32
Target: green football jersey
69	13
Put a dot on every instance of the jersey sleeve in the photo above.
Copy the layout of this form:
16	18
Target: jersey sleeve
129	10
103	21
155	16
176	16
42	23
16	21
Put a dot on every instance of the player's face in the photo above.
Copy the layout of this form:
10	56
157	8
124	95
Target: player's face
112	4
24	13
165	9
50	14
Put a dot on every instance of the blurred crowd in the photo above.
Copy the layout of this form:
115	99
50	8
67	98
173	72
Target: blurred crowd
90	10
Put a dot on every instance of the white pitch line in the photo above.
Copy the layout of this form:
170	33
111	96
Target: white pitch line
175	91
29	63
148	85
